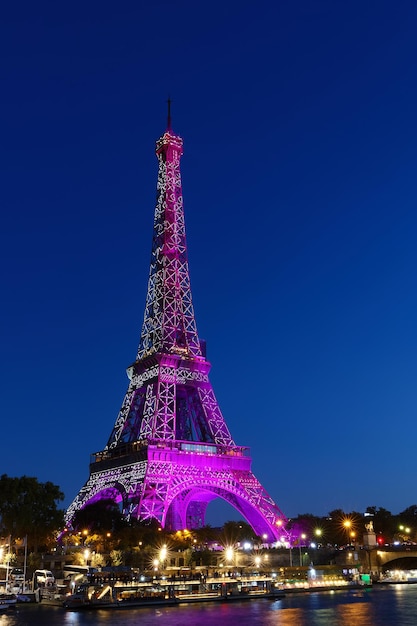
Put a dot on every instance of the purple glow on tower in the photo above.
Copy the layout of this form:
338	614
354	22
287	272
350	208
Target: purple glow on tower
170	452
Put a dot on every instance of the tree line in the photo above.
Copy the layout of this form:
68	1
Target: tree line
30	509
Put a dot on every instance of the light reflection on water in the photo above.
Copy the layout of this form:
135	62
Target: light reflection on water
380	606
361	613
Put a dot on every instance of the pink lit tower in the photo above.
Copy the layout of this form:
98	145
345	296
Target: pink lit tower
170	452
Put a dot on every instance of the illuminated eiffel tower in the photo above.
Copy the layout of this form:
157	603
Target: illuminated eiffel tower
170	452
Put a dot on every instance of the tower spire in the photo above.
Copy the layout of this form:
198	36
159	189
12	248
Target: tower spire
169	324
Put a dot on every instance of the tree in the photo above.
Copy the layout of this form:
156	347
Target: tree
409	515
306	524
384	523
29	508
98	517
406	524
343	528
206	534
235	532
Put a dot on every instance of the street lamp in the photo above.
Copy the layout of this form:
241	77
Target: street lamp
163	552
404	532
303	537
347	524
229	554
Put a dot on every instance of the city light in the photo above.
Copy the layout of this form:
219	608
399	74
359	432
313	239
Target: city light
163	553
347	523
229	554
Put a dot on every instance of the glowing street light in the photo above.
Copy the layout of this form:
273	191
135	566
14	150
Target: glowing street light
303	537
229	554
347	523
404	533
163	553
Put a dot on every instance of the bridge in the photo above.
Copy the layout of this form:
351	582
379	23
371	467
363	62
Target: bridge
381	558
388	557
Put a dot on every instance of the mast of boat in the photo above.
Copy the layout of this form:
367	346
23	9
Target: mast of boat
8	564
25	563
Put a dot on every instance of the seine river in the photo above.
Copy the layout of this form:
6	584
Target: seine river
394	605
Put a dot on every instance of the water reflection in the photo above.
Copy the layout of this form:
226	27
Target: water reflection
319	609
292	617
340	615
358	613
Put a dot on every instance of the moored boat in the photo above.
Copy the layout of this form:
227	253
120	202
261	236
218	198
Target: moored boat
169	592
8	599
89	596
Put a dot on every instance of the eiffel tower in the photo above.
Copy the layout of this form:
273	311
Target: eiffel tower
170	452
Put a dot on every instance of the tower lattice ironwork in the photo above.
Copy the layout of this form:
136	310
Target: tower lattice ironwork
170	452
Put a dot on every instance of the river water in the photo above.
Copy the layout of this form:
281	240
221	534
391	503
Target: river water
391	605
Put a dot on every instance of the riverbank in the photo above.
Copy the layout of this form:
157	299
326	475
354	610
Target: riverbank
105	590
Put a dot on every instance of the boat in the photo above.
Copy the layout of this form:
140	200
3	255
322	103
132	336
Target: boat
8	599
166	592
89	596
399	577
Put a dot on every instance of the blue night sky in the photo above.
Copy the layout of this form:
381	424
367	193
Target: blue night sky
299	121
